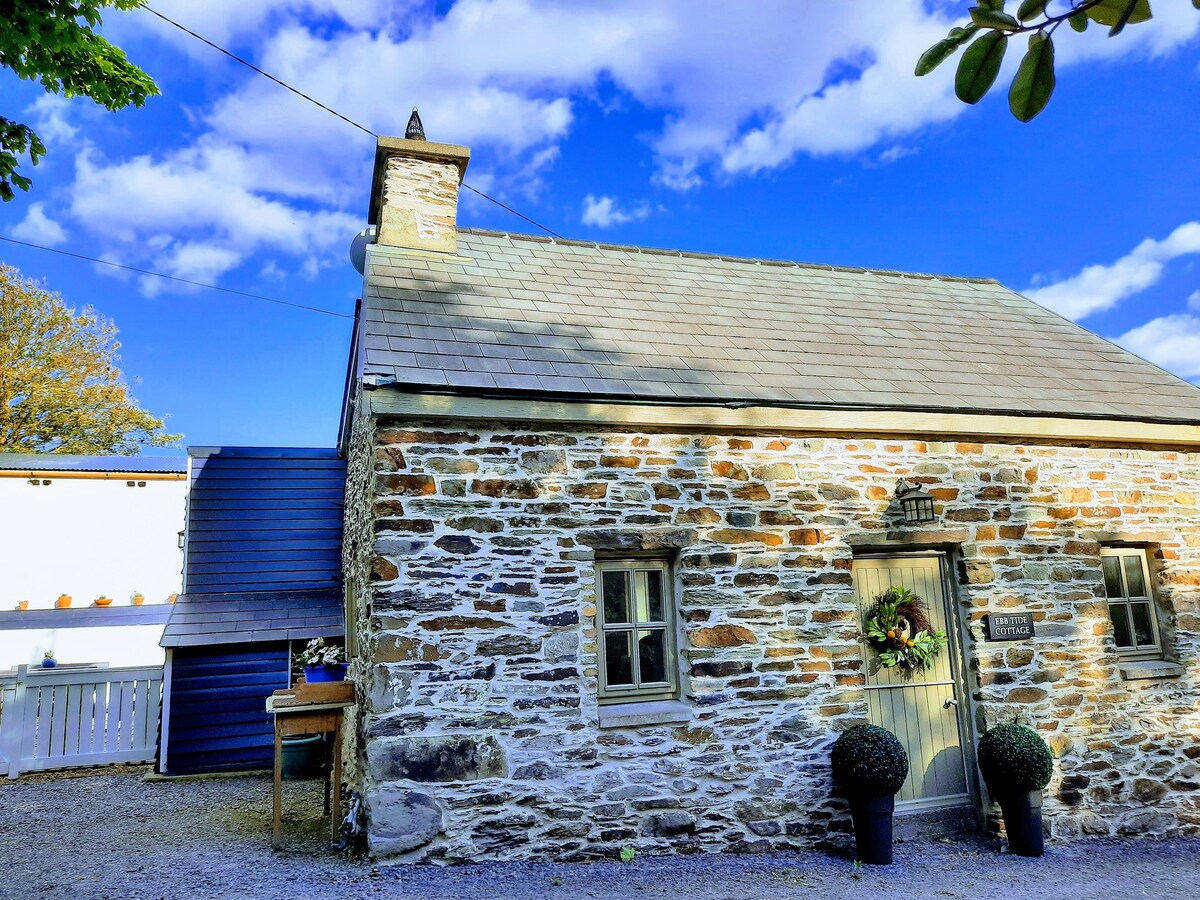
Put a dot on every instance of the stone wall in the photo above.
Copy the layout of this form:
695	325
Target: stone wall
479	728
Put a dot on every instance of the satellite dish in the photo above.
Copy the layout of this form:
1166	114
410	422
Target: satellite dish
358	248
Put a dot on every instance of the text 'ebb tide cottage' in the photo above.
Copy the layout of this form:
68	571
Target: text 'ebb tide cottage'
615	518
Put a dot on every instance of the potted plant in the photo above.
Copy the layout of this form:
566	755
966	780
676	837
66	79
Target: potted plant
103	601
1016	764
323	662
63	601
137	599
48	660
22	605
870	763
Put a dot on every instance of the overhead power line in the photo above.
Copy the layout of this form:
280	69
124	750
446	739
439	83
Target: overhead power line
203	284
331	111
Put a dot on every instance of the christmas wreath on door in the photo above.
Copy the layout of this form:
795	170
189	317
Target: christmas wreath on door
898	630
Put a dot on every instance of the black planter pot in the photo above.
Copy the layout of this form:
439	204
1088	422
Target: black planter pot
1023	822
873	828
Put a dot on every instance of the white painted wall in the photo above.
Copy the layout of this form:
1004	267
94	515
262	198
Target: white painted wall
88	536
118	645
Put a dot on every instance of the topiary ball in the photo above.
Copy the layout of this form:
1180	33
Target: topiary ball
1014	758
869	760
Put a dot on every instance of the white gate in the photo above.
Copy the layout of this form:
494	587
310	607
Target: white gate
64	717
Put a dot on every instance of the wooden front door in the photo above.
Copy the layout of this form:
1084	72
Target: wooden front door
922	710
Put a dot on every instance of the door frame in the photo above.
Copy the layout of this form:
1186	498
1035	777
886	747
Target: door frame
958	639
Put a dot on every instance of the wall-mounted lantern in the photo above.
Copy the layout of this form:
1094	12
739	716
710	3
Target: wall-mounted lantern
180	536
915	503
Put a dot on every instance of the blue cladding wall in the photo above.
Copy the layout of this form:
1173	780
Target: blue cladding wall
264	519
218	719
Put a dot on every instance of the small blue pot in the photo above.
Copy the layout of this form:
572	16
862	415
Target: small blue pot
49	663
325	673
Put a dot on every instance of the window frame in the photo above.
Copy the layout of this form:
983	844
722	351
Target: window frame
668	690
1149	651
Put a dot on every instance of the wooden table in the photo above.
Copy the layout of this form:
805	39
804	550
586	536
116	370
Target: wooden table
299	716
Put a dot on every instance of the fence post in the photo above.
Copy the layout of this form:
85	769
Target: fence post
13	722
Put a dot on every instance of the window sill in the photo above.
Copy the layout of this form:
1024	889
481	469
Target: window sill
1137	669
649	712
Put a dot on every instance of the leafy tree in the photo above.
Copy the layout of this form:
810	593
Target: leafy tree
60	388
991	27
54	42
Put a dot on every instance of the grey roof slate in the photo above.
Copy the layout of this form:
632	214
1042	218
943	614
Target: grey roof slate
524	314
245	617
64	462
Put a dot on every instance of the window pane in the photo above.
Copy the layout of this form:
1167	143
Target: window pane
654	584
1120	620
652	655
1112	576
648	599
616	597
618	657
1143	633
1133	576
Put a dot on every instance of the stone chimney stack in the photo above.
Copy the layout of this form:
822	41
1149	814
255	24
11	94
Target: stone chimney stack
414	191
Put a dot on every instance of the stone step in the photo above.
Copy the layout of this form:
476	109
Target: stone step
935	824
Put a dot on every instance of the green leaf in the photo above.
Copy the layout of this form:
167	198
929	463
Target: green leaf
1031	9
938	53
1196	3
1125	18
1110	12
988	18
979	66
1079	21
1034	81
997	5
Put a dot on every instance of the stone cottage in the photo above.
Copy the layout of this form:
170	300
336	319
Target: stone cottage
614	516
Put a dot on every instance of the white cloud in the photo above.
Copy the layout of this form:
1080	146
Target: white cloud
604	212
50	113
38	228
740	88
194	213
1172	342
1193	301
1100	287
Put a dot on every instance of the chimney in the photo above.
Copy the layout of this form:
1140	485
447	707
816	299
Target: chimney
414	191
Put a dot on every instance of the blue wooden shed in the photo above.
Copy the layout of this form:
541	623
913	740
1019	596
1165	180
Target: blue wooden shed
261	570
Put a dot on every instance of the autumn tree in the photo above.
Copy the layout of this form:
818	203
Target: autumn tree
60	388
55	42
986	37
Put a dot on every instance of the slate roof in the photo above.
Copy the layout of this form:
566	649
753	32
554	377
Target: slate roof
519	314
63	462
241	618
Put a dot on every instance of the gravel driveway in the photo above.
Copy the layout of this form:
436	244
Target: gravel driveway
112	835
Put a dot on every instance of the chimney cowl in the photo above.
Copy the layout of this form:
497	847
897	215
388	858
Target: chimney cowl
414	131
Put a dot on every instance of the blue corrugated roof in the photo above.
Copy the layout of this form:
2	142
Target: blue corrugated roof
65	462
263	519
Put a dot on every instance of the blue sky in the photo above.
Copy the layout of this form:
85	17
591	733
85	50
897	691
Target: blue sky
751	130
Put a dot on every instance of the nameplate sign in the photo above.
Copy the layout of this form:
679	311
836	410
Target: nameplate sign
1009	626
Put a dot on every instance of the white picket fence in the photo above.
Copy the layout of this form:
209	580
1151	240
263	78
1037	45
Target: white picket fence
87	716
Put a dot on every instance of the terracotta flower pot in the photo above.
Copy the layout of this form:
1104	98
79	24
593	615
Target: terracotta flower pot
22	604
137	599
63	601
103	601
172	598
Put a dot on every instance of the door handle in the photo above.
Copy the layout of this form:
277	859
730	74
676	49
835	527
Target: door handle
949	702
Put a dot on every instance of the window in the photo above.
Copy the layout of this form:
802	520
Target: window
1130	602
636	631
